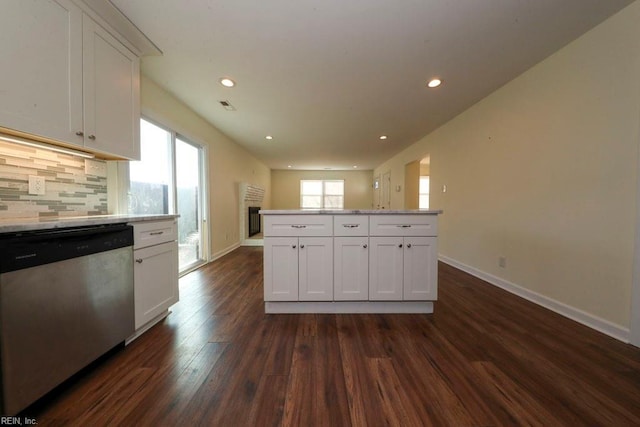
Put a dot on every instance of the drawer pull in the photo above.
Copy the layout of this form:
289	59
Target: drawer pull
299	226
156	233
351	225
403	226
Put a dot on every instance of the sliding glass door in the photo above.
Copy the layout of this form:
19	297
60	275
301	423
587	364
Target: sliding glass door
169	178
189	195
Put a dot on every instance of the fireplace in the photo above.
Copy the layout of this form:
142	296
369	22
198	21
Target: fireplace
254	220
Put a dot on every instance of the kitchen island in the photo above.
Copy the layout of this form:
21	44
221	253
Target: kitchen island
350	261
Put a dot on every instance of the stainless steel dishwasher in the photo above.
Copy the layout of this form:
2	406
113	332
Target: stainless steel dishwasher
66	298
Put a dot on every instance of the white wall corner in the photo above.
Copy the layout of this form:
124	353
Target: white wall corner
601	325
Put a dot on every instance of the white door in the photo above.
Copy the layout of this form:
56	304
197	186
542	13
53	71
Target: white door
385	268
315	268
281	269
111	91
41	68
351	268
376	192
385	195
420	269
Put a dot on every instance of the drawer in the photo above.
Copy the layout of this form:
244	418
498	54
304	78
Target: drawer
351	225
298	225
149	233
403	225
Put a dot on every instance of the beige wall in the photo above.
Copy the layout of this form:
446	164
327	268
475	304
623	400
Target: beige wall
229	163
543	172
412	185
285	187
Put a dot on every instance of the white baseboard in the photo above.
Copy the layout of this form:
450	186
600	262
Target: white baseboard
224	251
253	242
594	322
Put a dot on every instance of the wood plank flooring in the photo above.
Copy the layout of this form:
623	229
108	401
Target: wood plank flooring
484	358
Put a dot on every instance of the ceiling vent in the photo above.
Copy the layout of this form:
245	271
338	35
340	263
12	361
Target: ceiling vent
227	105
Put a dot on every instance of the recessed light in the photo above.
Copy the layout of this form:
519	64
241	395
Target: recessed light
227	82
434	83
269	137
289	166
383	137
355	167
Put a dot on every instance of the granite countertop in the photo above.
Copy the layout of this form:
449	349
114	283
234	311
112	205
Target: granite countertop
351	212
30	224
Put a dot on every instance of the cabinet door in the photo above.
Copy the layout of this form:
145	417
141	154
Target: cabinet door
420	268
111	93
41	67
315	268
280	269
155	280
385	268
351	268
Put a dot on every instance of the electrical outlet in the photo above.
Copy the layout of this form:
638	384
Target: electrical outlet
502	262
36	185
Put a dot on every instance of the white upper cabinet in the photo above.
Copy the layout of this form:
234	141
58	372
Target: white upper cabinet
41	68
66	78
111	89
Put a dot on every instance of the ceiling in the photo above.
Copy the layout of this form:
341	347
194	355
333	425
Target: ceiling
327	78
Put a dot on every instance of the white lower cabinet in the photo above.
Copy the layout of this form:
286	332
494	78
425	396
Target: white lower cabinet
315	269
281	269
420	270
155	271
298	269
403	268
351	268
385	271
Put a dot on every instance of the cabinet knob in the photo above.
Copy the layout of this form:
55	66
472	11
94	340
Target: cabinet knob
301	246
409	245
400	245
92	137
364	246
139	260
293	246
80	133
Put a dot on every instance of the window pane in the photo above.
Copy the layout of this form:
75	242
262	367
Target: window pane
424	202
424	185
334	187
311	188
150	178
311	202
333	202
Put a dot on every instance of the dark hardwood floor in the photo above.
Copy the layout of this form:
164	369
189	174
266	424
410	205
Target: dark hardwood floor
484	358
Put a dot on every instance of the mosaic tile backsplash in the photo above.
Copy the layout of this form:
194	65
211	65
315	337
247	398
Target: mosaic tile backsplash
68	190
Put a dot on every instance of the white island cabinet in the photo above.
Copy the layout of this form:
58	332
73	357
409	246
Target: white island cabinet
350	261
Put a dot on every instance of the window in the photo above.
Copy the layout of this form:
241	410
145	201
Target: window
169	178
321	194
151	179
424	192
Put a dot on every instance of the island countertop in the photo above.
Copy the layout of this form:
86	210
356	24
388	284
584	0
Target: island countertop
350	212
15	225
